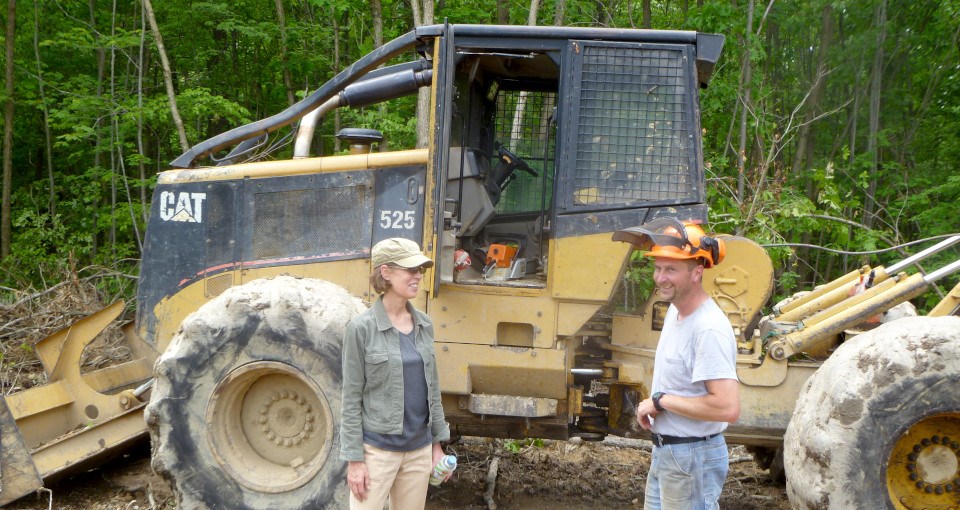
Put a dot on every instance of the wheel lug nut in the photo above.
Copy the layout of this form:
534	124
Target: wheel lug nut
914	477
938	490
925	442
912	457
917	448
919	485
928	489
911	467
935	439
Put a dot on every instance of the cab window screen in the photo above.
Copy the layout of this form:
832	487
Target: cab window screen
634	140
522	124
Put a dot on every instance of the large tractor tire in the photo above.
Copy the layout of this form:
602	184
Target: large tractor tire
878	425
245	411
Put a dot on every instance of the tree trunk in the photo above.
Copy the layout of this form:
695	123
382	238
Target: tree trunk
46	115
167	74
420	18
517	125
5	210
647	15
816	91
141	166
559	10
503	12
114	136
101	69
745	107
284	59
869	204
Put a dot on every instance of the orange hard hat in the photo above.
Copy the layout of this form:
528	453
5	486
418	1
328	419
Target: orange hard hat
671	238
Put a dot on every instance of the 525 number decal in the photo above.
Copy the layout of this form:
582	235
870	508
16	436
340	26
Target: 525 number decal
403	220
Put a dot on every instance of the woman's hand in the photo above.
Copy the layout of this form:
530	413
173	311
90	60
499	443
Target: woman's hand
437	455
358	478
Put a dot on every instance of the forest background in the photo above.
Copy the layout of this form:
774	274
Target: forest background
833	123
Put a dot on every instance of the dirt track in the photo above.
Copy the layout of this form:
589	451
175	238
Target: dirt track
595	476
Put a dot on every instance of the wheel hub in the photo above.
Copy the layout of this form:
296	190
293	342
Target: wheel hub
924	467
270	426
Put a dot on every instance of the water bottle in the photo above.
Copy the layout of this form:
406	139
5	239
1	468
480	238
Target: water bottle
446	465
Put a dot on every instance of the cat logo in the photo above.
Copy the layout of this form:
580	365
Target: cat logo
182	206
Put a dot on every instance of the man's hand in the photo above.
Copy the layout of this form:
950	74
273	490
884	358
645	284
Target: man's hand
358	478
645	411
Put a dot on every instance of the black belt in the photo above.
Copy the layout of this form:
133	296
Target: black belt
661	440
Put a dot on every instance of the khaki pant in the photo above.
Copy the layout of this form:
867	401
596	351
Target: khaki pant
404	476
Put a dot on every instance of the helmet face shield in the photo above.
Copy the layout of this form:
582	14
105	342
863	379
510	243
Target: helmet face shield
665	231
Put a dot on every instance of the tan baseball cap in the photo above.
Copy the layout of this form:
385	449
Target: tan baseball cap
400	252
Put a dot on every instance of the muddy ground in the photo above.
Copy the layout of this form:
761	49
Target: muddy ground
579	476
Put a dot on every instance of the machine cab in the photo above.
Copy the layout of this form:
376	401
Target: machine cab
547	134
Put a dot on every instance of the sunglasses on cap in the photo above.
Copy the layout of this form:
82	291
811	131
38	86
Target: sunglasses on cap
411	270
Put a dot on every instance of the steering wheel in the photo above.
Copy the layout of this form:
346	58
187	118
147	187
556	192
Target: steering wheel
500	177
513	161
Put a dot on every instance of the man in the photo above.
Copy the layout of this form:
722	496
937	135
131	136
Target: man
695	394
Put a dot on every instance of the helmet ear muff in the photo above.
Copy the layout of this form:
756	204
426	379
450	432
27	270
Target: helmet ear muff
714	247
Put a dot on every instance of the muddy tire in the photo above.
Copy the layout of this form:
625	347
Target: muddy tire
878	425
245	411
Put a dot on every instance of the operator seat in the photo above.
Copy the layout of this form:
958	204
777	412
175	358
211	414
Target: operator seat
476	208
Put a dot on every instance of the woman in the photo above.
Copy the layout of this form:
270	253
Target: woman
392	421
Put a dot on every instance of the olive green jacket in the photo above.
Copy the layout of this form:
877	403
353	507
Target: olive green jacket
373	379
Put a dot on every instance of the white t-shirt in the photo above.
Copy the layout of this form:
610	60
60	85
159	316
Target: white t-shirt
699	348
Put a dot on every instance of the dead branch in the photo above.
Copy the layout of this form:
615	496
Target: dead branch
491	483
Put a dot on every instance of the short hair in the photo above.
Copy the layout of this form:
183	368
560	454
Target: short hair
378	282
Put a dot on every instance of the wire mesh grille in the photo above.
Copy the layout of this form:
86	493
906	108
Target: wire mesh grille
219	222
522	124
634	142
309	222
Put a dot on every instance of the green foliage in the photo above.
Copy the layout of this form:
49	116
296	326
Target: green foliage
109	114
516	445
639	277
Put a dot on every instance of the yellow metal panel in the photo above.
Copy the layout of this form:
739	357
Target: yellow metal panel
297	166
430	244
572	316
585	268
118	376
39	399
86	443
466	369
472	313
949	304
635	331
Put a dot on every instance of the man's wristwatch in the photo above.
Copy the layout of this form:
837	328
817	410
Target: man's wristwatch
656	401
